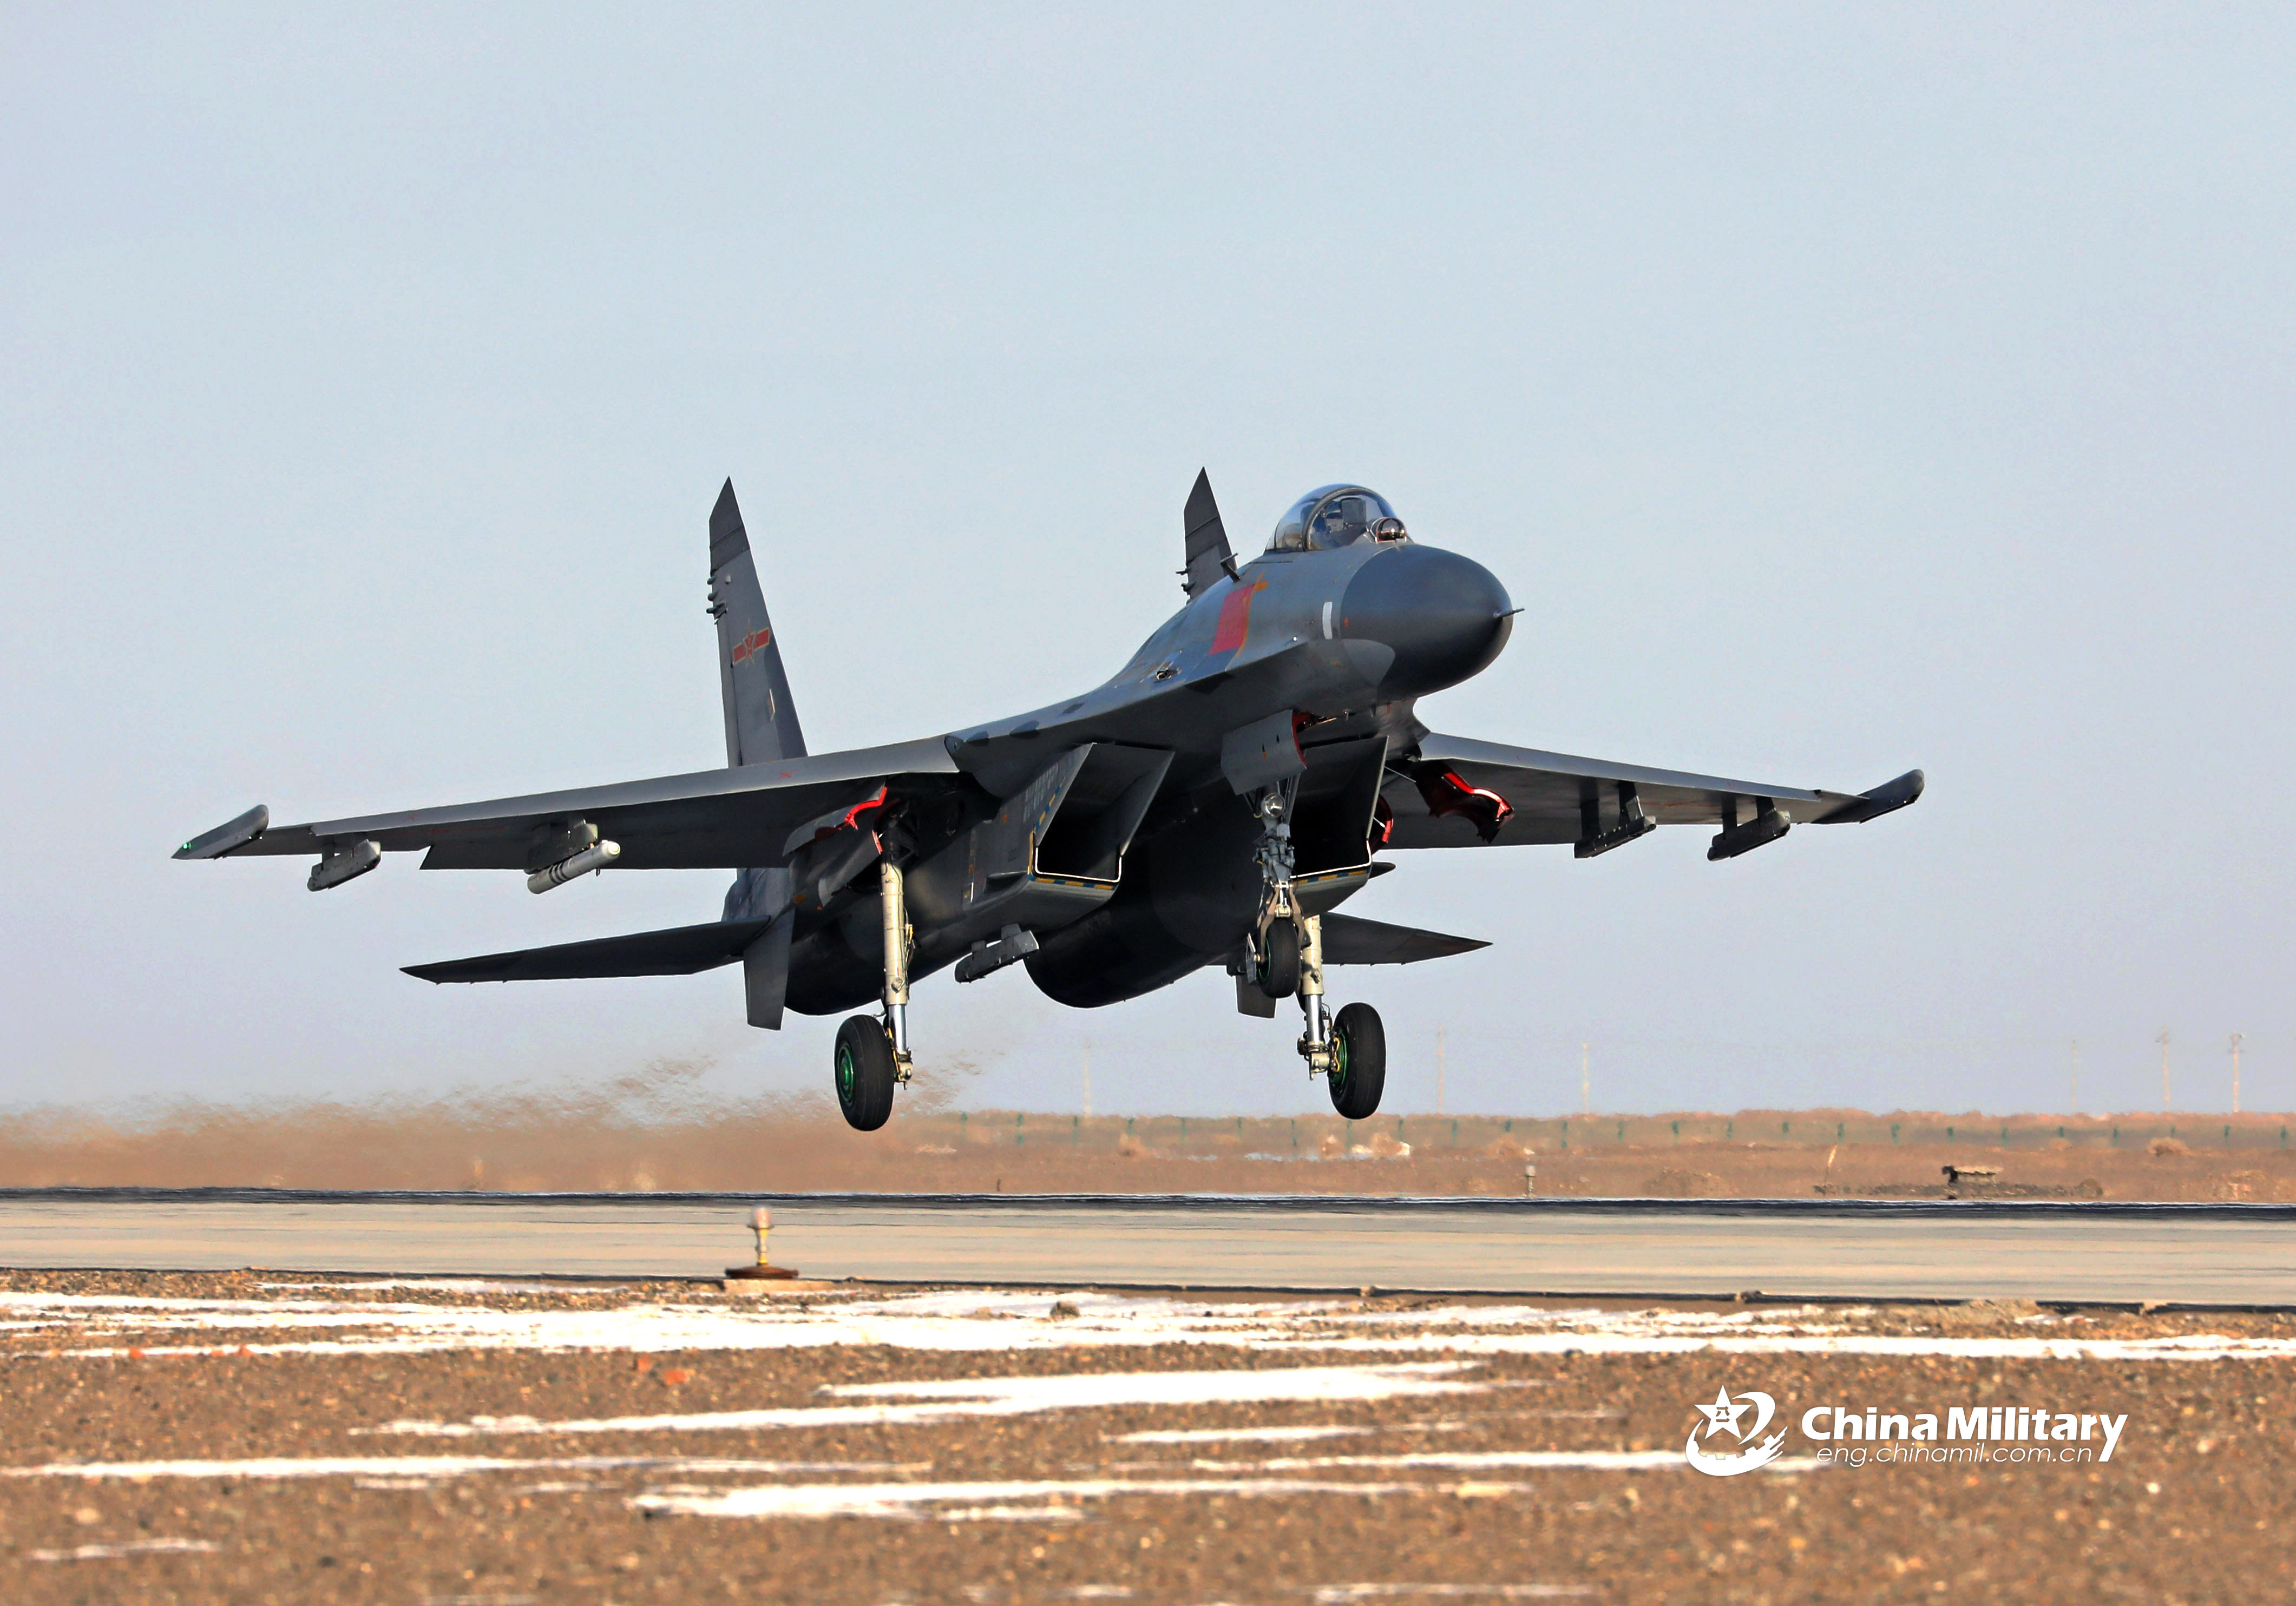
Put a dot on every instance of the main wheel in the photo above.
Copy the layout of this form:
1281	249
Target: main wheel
1279	959
865	1073
1358	1062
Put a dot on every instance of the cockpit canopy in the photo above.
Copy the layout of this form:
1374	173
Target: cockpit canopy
1333	516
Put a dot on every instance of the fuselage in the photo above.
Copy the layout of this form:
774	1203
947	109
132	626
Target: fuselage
1345	640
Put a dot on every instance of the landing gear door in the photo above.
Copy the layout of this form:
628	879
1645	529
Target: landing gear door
1331	820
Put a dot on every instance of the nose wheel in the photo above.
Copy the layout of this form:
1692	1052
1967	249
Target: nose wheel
1359	1051
1348	1051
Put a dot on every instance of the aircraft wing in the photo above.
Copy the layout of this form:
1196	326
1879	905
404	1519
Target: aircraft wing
681	951
1459	792
717	819
1349	939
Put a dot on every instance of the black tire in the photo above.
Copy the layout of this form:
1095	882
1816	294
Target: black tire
1358	1073
863	1069
1279	959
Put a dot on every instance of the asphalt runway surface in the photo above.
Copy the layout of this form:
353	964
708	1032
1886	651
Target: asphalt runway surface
2231	1255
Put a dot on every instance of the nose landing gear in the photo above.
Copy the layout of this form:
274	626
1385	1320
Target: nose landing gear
1358	1073
871	1057
1348	1052
1283	956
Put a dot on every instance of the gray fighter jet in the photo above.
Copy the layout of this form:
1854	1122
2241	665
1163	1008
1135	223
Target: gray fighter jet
1212	804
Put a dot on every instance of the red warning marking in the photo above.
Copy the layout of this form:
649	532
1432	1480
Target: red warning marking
1447	793
875	801
1236	618
755	642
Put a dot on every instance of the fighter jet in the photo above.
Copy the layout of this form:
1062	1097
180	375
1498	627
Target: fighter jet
1257	762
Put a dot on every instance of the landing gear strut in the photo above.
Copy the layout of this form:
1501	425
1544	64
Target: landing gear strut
1277	934
873	1055
1348	1052
1284	956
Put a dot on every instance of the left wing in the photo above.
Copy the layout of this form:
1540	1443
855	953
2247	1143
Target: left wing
1456	793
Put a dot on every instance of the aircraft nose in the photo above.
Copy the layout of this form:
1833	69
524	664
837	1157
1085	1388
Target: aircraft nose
1417	618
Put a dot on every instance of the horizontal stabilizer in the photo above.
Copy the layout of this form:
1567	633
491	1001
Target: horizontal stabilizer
1347	940
680	951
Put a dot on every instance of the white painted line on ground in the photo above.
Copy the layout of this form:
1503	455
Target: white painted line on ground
1345	1594
975	1322
1207	1436
140	1547
958	1399
1578	1460
912	1500
423	1469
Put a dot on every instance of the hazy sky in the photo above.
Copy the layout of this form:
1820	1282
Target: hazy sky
1837	389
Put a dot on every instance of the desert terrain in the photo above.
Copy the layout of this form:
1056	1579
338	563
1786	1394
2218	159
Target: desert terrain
279	1438
608	1141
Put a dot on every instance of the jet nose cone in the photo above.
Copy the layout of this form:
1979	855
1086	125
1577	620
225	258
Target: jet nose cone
1417	618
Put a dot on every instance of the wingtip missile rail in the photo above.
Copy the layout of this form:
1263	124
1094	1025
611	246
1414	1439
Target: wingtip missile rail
227	838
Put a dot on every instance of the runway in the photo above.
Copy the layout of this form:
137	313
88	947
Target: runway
2192	1255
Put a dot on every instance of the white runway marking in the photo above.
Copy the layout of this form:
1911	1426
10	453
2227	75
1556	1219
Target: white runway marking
419	1471
976	1322
1345	1594
1549	1461
1209	1435
944	1401
113	1552
1004	1499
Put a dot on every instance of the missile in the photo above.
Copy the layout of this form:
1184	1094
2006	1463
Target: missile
597	856
345	863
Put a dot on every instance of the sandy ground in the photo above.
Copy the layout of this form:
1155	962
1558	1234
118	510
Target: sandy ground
619	1139
251	1438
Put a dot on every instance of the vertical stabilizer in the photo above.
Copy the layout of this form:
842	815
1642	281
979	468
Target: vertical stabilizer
1206	546
760	719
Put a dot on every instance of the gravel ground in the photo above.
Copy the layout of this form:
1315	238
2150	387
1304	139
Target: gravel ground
970	1447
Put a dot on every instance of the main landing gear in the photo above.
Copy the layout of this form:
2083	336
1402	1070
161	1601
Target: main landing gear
1286	958
873	1055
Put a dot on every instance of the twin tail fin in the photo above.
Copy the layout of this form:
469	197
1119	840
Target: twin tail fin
761	716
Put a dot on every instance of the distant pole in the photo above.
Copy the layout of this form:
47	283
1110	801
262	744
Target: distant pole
1439	1070
2236	1073
1088	1079
2163	1041
1583	1108
2076	1081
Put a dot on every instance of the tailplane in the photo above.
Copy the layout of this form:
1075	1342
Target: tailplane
760	718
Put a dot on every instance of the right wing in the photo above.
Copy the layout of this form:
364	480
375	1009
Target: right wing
717	819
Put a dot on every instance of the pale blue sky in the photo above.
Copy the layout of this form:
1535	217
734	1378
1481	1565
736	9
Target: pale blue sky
1837	389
